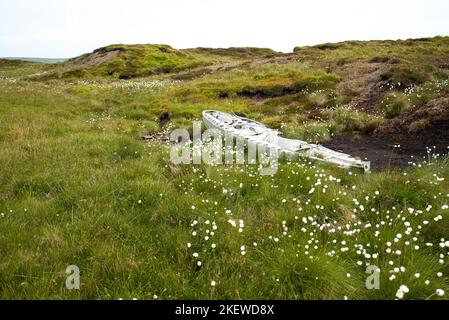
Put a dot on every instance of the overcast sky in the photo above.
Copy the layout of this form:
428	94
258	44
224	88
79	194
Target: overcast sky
67	28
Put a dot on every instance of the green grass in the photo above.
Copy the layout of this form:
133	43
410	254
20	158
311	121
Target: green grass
77	186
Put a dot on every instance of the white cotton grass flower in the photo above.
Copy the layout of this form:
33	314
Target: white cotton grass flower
403	289
439	292
232	222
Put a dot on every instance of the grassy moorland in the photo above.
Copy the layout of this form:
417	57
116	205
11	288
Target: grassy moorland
78	186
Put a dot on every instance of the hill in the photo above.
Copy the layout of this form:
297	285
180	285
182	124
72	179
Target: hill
133	61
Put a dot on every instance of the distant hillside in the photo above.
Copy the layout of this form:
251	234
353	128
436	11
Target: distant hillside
39	60
22	68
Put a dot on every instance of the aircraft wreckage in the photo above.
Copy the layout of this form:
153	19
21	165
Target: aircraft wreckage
260	135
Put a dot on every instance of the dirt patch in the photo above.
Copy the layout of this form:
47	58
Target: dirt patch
382	154
394	146
92	59
364	81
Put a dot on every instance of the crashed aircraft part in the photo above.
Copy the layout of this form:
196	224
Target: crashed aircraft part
258	134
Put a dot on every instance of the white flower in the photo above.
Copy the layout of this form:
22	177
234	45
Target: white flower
213	283
404	289
399	294
439	292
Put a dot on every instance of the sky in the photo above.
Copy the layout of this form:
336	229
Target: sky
67	28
